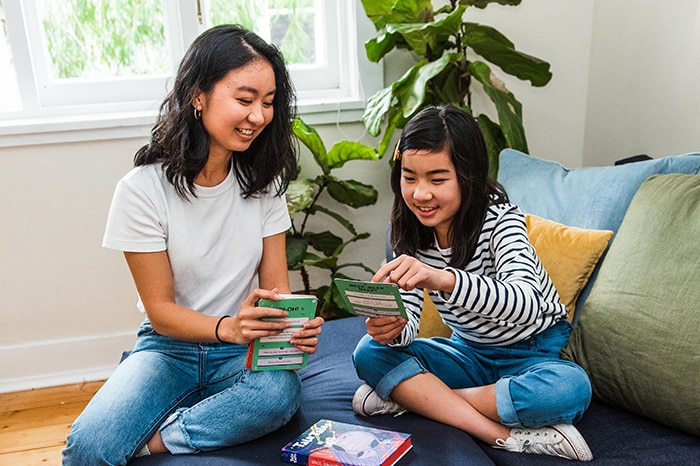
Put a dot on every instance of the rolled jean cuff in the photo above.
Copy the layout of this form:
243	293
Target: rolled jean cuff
398	374
174	435
504	403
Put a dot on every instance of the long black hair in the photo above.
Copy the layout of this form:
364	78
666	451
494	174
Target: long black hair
178	139
436	129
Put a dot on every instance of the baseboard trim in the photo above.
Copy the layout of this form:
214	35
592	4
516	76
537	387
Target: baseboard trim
61	362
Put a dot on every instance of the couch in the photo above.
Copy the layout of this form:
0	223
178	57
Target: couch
622	243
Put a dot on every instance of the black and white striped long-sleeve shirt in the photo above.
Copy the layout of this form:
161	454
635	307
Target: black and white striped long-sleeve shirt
504	296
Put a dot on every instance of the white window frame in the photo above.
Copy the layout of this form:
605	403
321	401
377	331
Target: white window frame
49	117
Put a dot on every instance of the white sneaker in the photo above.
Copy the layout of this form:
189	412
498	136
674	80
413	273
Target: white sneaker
561	440
366	402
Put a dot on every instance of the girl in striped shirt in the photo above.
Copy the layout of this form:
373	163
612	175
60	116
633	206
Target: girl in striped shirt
499	376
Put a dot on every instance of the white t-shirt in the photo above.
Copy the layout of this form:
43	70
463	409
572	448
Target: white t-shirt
214	241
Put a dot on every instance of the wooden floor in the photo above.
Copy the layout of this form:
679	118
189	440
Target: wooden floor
34	423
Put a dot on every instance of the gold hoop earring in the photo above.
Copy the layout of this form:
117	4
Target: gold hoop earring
197	114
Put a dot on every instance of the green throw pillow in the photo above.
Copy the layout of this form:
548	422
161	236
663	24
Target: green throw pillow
638	335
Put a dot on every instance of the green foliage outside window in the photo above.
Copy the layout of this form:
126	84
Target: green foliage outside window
99	38
291	23
102	38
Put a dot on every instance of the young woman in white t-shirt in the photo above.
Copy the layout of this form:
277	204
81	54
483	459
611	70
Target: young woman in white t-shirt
201	220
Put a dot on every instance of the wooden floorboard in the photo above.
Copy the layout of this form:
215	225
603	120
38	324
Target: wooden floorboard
34	423
39	457
51	396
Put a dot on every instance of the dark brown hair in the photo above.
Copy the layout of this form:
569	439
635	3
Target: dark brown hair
437	129
178	139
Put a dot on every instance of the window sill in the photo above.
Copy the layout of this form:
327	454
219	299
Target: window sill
79	128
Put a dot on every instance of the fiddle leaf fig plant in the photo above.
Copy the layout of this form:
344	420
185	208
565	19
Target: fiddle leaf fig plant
323	194
453	54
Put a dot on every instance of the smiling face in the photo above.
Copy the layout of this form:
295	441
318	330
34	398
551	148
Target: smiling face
238	107
430	190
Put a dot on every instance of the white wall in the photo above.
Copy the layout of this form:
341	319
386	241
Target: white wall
558	32
624	76
643	93
624	83
67	306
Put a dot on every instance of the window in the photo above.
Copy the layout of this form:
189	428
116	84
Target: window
73	67
9	91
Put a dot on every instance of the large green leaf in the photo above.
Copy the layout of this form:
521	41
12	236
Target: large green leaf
352	193
385	42
336	297
326	242
381	102
507	106
408	94
495	142
411	93
296	249
396	120
344	151
376	108
310	138
332	305
434	35
496	48
383	12
419	37
300	195
328	263
450	86
338	218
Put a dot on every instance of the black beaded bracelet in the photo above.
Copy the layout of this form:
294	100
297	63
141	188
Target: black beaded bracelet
216	330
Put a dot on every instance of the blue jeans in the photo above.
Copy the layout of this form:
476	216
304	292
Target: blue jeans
534	387
200	396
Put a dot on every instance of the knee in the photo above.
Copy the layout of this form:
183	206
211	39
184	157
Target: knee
282	392
365	353
576	393
553	393
83	447
289	383
563	381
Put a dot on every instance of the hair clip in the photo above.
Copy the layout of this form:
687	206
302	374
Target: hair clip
397	152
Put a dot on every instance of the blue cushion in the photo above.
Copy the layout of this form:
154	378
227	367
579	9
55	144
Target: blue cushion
589	197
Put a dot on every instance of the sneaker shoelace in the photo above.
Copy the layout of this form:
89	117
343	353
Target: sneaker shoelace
540	442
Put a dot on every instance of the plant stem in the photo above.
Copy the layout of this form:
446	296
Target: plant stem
305	280
466	82
308	210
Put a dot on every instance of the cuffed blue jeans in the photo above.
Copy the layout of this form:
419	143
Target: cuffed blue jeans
200	396
534	387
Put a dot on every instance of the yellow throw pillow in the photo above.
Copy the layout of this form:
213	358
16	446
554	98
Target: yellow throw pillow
568	254
431	323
